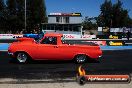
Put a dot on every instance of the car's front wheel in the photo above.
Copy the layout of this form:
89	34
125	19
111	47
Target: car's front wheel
81	59
22	57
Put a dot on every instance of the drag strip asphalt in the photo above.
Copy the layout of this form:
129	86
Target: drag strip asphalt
112	62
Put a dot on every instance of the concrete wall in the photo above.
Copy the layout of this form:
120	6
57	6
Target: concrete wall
75	20
51	19
71	20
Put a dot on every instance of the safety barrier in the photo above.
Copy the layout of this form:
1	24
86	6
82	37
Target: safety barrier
106	44
66	36
116	47
4	47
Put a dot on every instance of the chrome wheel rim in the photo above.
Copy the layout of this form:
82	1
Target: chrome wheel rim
81	58
21	57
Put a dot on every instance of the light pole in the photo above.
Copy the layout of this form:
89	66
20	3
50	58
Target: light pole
25	15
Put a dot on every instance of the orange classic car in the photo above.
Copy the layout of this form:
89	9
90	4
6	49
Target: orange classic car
51	47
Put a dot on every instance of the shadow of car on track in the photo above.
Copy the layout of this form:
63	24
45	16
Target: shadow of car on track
53	61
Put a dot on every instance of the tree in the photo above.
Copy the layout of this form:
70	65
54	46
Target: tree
129	23
21	14
14	14
89	23
15	10
1	5
113	15
105	17
2	16
36	11
120	15
12	18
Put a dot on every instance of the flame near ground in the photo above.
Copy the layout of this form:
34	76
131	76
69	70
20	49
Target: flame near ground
81	71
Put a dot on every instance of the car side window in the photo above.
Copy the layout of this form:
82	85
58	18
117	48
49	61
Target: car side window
49	40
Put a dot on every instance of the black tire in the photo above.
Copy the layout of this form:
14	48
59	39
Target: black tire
22	57
81	80
80	58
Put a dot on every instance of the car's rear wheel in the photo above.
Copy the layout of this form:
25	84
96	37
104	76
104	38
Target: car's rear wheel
21	57
81	58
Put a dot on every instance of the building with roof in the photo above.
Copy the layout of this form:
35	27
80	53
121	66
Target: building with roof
64	23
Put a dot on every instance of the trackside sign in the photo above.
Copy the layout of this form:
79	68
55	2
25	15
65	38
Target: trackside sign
6	36
82	77
115	43
76	36
10	36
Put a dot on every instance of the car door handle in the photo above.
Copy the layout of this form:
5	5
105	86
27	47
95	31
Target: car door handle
55	46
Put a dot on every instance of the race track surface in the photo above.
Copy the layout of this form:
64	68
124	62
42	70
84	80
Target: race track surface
112	62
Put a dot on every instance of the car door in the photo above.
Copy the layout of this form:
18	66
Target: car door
67	52
48	49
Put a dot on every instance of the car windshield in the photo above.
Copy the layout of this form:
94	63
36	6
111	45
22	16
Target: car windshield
49	40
